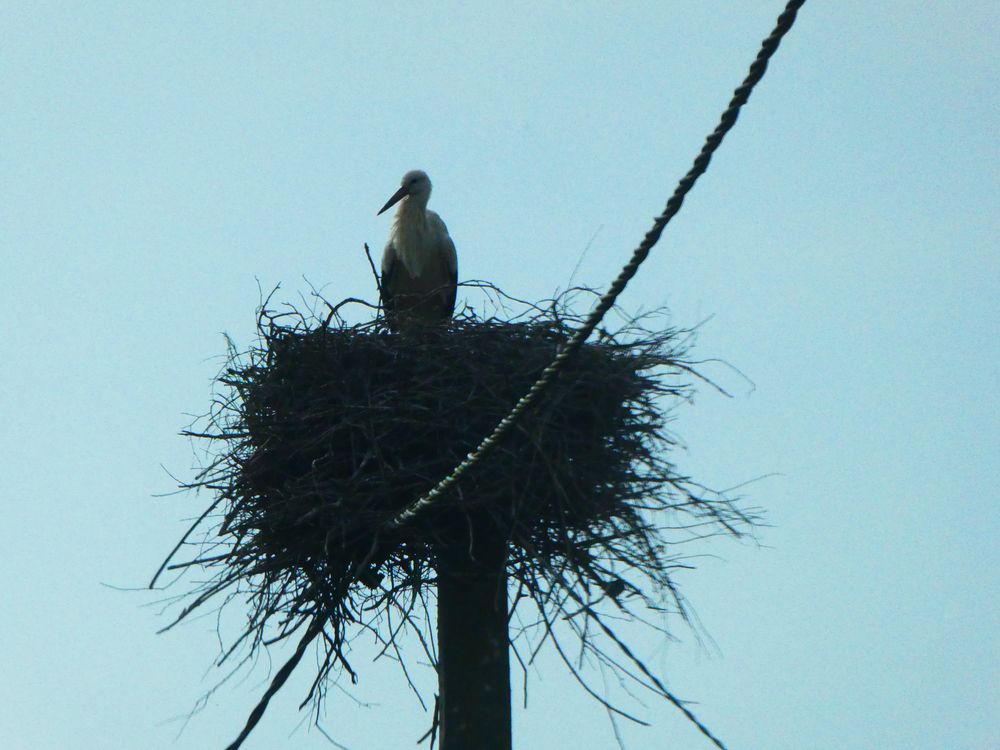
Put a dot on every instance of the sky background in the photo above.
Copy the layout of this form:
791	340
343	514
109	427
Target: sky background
157	160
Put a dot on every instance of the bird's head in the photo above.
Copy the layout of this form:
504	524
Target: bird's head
415	187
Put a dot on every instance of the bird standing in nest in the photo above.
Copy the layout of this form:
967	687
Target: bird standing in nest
419	265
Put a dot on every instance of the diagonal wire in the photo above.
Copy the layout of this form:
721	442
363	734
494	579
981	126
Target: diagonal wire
728	119
712	142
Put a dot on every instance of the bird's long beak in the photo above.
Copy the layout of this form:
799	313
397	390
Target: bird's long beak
396	198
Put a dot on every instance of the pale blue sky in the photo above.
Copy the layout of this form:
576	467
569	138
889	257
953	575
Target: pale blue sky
156	159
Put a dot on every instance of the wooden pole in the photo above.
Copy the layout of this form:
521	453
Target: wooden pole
473	653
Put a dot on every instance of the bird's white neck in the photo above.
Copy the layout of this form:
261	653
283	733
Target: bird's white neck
412	206
409	235
410	218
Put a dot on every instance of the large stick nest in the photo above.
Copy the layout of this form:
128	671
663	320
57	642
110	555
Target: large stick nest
323	432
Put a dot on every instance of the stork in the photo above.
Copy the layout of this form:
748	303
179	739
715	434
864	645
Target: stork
419	265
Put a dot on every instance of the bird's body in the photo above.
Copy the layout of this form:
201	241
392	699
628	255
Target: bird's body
419	265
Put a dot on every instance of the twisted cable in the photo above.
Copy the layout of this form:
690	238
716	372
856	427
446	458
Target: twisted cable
701	162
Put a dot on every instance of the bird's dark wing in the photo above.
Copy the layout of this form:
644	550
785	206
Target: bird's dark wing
451	264
387	281
451	294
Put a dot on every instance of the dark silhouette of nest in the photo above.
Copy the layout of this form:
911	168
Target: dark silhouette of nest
324	431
